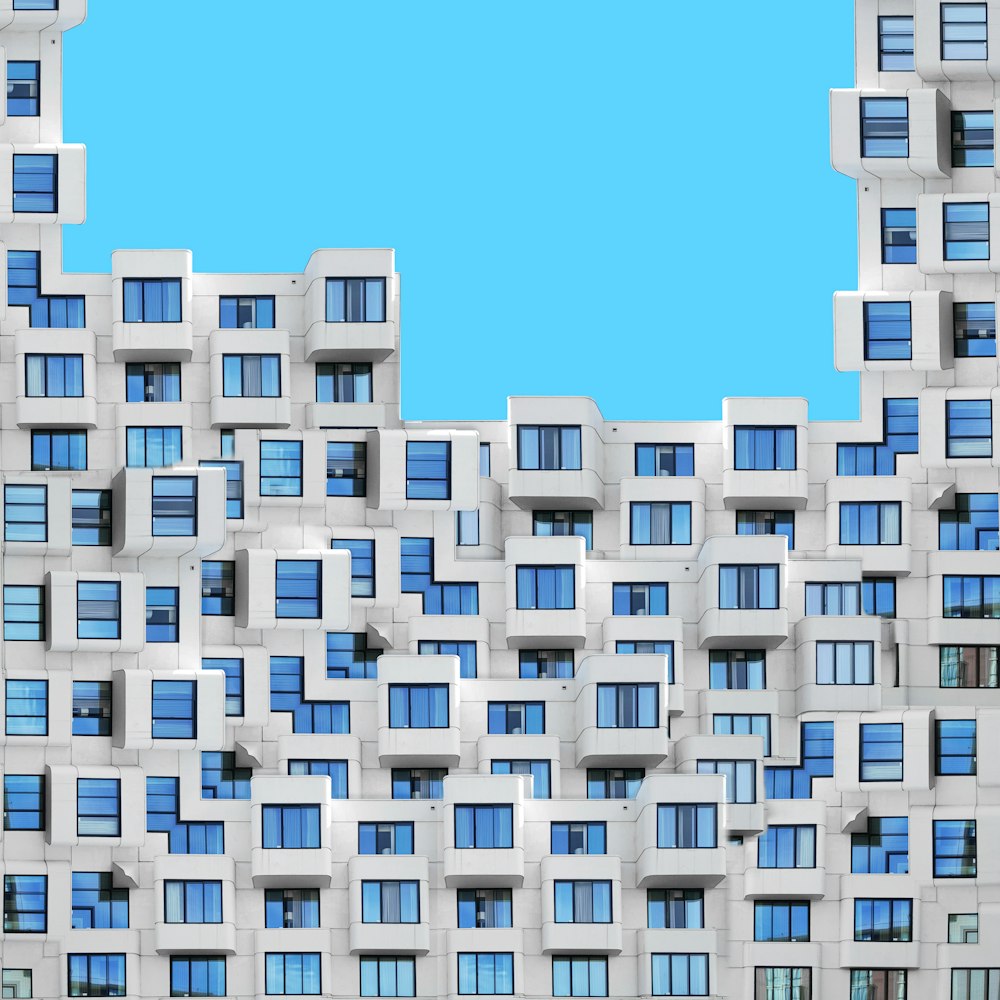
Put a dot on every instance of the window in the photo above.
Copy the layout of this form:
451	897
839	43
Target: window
56	376
348	656
355	300
545	587
675	909
787	847
627	706
91	517
765	448
281	469
784	921
883	849
16	983
548	447
742	724
23	79
192	901
899	234
963	928
882	751
174	710
335	770
24	514
540	772
175	506
153	382
736	669
385	838
580	976
23	281
546	523
664	459
676	974
388	976
234	485
96	975
661	524
36	183
362	564
767	522
253	376
955	746
27	708
287	685
489	973
23	802
970	666
227	443
885	127
582	902
975	329
24	613
974	524
418	706
91	708
833	598
152	447
162	795
291	826
97	904
218	588
221	778
963	31
970	428
98	610
418	782
875	983
972	984
152	300
58	312
484	458
883	919
484	826
246	312
545	664
484	908
428	470
578	838
467	527
845	663
24	904
954	848
345	469
298	588
390	902
291	908
344	382
972	138
972	597
887	331
98	807
58	451
516	718
748	587
625	647
966	230
741	777
895	47
198	976
876	523
292	973
640	599
161	614
878	596
686	826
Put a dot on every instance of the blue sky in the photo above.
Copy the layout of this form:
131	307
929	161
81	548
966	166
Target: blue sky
583	197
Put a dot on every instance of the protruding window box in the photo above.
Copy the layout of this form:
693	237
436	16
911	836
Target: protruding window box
379	938
789	883
883	954
61	613
495	746
203	938
62	805
581	938
700	941
56	411
882	560
151	339
250	411
70	177
930	63
653	628
932	231
350	341
950	631
815	691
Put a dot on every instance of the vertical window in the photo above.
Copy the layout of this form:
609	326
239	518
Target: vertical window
955	746
152	300
193	901
885	127
91	517
174	711
152	447
580	976
27	708
251	375
428	470
23	79
418	782
16	984
765	448
614	782
883	920
246	312
767	522
844	663
969	428
153	382
545	664
895	44
390	902
484	459
484	826
970	666
882	751
548	523
484	908
675	908
975	330
281	468
287	827
627	706
736	669
388	976
748	587
96	975
292	973
98	610
640	599
24	514
362	564
161	614
548	447
963	31
966	230
677	974
232	667
784	921
36	183
465	651
418	706
878	596
175	506
234	485
875	523
787	847
516	718
385	838
344	382
97	905
298	590
467	527
954	848
200	976
91	708
218	587
661	524
579	838
221	778
686	826
546	587
98	807
23	802
291	908
485	973
227	443
972	138
24	904
58	451
355	300
883	849
887	331
345	469
899	235
664	459
23	613
55	376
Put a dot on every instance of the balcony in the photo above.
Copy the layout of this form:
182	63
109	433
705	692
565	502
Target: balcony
204	939
56	411
395	939
660	941
881	560
581	938
151	341
812	696
249	411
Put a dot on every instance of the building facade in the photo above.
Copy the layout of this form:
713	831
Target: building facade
303	699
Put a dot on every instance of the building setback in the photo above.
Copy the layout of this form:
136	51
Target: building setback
575	706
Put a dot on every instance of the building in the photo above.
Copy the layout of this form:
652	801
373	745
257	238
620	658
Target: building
577	706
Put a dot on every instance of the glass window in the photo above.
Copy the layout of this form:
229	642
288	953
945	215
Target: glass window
899	233
540	772
963	928
218	587
162	816
161	614
58	312
390	902
974	524
418	706
418	782
485	973
292	973
202	976
91	517
174	710
736	669
970	666
895	47
152	447
23	613
883	849
388	976
781	921
970	428
36	183
579	976
385	838
98	807
748	587
428	470
23	280
516	718
335	770
787	847
741	777
152	300
878	596
193	901
765	448
547	523
362	564
545	664
291	826
24	904
679	975
875	523
972	138
227	443
484	459
833	599
91	708
484	908
975	330
578	838
972	597
345	469
546	587
640	599
963	31
954	848
767	522
886	983
221	778
55	376
234	485
153	382
467	527
291	908
253	376
743	724
348	656
16	983
298	589
484	826
175	506
96	975
675	909
845	663
974	984
27	708
307	716
664	459
966	230
23	802
548	447
955	746
281	469
885	127
887	331
355	300
246	312
58	451
24	514
883	919
882	751
97	904
98	610
23	79
686	826
344	382
627	706
660	524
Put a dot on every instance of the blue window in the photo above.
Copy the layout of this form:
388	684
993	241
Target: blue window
292	973
291	826
901	424
748	587
346	469
736	669
58	451
355	300
895	50
677	974
740	775
251	375
972	597
416	564
484	826
548	447
221	778
767	522
91	515
963	32
298	589
91	708
686	825
614	782
23	802
98	610
202	976
579	838
53	376
972	138
27	708
218	588
23	613
580	976
418	782
546	587
765	448
246	312
152	300
878	596
970	666
98	807
388	976
966	230
362	564
870	523
174	711
777	983
465	651
558	523
96	975
899	235
161	614
833	598
582	902
418	706
232	667
291	908
844	662
428	470
516	718
627	706
162	817
335	770
23	79
975	329
664	459
675	909
485	973
451	599
175	506
390	902
744	724
58	312
885	126
385	838
227	443
485	908
954	848
661	524
888	331
234	485
467	527
344	382
97	904
540	772
153	382
23	279
640	599
884	847
882	751
348	656
955	746
24	904
307	716
281	468
36	183
484	459
193	901
883	920
545	664
152	447
969	428
974	524
785	921
787	847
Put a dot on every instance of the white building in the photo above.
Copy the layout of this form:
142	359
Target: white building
578	706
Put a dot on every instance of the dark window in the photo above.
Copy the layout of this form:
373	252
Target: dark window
96	975
218	587
161	614
516	718
614	782
767	522
91	517
97	904
736	669
579	838
561	523
418	782
348	656
484	908
640	599
344	382
234	485
975	329
291	908
954	848
545	664
385	838
973	525
153	382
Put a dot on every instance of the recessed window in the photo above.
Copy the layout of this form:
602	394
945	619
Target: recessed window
675	909
246	312
664	459
484	908
27	708
221	778
58	451
251	376
784	922
58	312
881	751
627	706
57	376
899	235
24	904
232	667
966	230
963	31
23	80
895	44
561	523
954	848
281	468
291	908
204	976
582	901
192	901
151	300
548	447
963	928
153	382
390	902
874	523
97	904
516	718
540	772
764	448
885	127
489	973
385	838
234	484
545	664
388	976
955	746
98	610
767	522
467	527
25	514
546	587
344	382
298	588
884	847
614	782
743	724
348	656
346	469
972	138
152	447
678	974
975	330
969	428
887	331
36	183
639	599
418	706
91	517
974	524
161	614
355	300
418	782
736	669
291	827
98	807
740	775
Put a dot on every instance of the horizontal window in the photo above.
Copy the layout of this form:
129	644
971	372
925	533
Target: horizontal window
152	300
246	312
251	375
355	300
875	523
548	447
679	975
660	524
664	459
971	597
487	826
787	847
344	382
748	587
546	587
418	706
844	663
765	448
